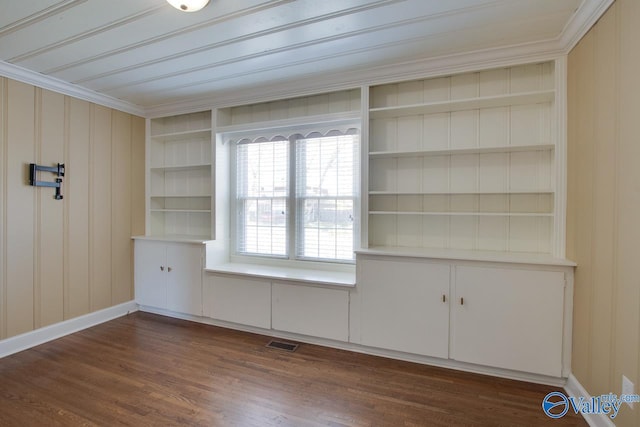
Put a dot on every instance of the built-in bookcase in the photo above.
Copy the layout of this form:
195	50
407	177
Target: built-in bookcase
179	186
466	161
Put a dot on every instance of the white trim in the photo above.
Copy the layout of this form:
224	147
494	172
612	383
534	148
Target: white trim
357	348
48	333
60	86
586	16
574	388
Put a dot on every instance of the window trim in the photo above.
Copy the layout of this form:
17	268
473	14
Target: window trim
294	132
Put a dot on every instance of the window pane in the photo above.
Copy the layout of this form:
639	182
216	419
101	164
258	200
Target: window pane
261	192
325	190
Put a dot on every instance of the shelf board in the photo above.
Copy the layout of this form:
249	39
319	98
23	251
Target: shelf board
467	255
456	193
526	98
181	238
525	214
189	196
450	151
182	210
181	167
176	136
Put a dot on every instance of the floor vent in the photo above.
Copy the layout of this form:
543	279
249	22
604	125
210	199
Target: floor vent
279	345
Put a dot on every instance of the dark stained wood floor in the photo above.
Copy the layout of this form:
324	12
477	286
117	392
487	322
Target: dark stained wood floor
145	369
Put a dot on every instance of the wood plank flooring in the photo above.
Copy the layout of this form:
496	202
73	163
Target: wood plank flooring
144	369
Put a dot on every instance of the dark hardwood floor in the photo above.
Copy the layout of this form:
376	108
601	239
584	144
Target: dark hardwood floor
145	369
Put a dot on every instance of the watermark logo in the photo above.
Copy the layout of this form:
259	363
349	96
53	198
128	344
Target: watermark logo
557	404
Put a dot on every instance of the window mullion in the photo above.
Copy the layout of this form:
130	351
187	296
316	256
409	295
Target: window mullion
292	229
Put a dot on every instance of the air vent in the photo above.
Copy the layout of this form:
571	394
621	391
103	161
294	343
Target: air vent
280	345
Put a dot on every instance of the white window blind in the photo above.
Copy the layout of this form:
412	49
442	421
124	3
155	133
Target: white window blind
326	192
296	196
262	189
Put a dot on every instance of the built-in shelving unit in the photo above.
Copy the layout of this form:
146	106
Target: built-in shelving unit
465	162
179	183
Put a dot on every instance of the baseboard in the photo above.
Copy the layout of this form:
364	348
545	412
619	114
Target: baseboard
575	389
39	336
358	348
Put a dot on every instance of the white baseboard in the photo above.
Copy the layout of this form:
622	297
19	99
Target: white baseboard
358	348
574	388
39	336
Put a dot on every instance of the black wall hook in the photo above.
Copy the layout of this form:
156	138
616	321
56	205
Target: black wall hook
58	170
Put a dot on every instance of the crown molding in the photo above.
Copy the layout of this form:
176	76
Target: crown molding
582	21
54	84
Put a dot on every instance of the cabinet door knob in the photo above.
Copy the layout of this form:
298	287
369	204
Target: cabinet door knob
162	268
461	301
169	269
444	298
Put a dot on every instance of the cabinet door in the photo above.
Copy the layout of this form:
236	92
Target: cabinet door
402	306
237	299
509	318
308	310
149	276
184	278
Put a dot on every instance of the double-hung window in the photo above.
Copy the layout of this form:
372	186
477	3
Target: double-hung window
296	196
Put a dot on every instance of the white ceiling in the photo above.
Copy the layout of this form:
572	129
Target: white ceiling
148	54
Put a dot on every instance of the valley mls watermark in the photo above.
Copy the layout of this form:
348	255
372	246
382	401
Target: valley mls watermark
557	404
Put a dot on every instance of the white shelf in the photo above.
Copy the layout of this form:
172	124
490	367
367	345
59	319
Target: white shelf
456	193
526	214
467	255
190	196
453	151
180	238
181	210
175	136
180	167
464	104
320	277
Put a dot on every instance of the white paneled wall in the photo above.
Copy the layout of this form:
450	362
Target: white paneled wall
330	103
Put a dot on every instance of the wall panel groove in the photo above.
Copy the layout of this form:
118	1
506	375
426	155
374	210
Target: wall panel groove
37	202
604	204
3	213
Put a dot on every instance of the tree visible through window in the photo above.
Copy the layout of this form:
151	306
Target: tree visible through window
296	197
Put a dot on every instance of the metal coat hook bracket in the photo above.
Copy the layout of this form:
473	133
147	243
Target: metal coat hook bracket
58	170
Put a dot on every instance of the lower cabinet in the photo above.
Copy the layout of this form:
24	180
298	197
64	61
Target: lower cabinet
508	318
404	306
501	316
308	310
168	275
238	299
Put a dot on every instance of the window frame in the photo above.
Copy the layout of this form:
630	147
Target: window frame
292	235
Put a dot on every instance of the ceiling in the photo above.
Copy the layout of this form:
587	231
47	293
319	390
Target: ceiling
144	53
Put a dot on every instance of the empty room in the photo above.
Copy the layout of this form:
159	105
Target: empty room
319	213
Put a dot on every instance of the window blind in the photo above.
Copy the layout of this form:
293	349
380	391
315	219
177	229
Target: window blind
296	195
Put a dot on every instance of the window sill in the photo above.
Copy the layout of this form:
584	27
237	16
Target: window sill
316	277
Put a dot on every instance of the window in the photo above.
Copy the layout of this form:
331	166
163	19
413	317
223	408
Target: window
296	197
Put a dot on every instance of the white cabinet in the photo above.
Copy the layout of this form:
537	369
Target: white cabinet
168	275
241	300
313	311
404	306
179	177
508	318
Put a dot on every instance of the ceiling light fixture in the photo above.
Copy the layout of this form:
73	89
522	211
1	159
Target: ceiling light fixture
188	5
